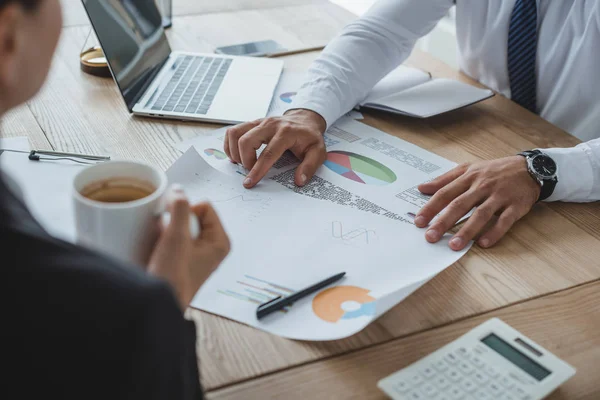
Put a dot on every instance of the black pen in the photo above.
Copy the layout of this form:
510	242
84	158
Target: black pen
278	303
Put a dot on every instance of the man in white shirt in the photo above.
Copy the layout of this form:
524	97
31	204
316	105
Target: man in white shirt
543	54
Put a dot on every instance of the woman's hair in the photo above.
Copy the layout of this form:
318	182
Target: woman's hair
26	4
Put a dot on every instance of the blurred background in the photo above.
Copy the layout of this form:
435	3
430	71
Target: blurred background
441	42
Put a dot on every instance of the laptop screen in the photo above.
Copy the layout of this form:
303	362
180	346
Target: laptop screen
133	40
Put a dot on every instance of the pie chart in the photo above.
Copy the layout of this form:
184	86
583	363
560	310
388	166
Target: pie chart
218	154
328	305
359	168
287	97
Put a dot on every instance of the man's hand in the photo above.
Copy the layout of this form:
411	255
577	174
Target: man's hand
500	187
300	131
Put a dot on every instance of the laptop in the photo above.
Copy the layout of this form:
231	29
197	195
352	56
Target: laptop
158	82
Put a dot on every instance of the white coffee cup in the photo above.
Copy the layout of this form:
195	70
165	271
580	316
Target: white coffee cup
126	230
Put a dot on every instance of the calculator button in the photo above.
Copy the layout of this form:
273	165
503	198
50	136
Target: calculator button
416	380
506	382
495	389
454	375
441	382
451	358
456	393
479	349
478	362
440	365
507	396
520	393
415	395
402	386
480	378
428	390
521	378
462	352
482	395
428	372
468	385
465	367
491	371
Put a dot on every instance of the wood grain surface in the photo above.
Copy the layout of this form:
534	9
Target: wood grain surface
537	278
559	322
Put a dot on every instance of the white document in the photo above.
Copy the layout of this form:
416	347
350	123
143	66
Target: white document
366	169
45	187
283	242
20	143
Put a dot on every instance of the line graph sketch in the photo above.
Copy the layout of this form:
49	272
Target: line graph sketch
240	197
227	199
239	169
359	235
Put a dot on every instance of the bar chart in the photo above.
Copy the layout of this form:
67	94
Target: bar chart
255	290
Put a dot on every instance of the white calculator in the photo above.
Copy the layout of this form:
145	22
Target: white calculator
491	362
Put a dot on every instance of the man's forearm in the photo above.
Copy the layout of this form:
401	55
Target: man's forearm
365	52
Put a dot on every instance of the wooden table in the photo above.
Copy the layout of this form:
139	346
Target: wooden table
543	278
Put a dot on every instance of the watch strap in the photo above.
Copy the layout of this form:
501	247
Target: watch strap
548	185
529	153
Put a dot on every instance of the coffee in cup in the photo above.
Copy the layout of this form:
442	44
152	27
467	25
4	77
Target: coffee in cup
118	190
118	208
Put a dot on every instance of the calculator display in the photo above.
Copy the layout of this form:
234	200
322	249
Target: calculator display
516	357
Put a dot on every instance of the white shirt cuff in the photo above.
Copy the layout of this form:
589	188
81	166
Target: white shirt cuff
575	173
317	100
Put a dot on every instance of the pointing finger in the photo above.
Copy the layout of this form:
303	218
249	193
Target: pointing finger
267	158
251	142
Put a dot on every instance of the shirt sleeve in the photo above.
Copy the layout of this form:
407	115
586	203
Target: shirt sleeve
366	51
578	172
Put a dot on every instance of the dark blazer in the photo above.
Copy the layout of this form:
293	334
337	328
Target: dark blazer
77	325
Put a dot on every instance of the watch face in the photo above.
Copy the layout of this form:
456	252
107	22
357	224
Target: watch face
544	166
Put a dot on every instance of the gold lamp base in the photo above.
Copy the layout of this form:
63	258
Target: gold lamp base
92	61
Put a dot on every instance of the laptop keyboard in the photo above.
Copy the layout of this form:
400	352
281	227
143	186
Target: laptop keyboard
194	85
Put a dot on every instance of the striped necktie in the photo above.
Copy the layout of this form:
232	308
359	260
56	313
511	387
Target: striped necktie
521	56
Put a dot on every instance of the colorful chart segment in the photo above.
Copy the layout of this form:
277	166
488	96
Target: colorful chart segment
359	168
327	305
218	154
287	97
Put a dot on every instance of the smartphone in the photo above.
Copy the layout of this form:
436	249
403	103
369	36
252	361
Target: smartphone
253	49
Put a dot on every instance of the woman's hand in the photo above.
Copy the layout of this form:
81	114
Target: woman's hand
185	262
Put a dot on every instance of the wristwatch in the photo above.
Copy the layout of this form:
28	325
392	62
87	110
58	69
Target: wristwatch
543	169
